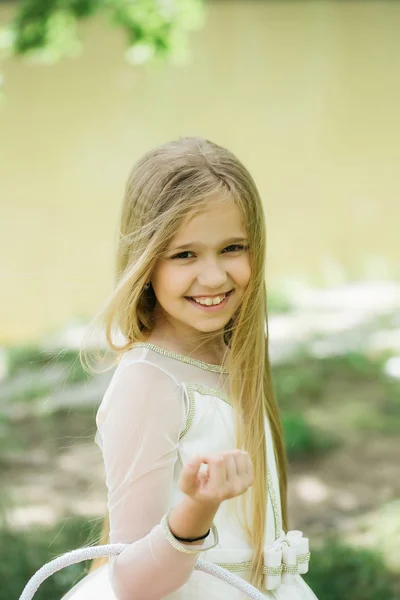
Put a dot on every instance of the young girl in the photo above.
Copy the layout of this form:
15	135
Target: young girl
189	427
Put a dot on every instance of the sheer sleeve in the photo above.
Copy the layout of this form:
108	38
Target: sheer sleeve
139	423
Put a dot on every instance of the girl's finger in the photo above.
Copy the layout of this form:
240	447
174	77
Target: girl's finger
202	477
217	472
206	458
240	459
231	467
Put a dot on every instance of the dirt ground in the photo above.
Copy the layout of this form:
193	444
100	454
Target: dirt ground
337	492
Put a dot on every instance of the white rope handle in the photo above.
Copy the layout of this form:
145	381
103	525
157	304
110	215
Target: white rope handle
76	556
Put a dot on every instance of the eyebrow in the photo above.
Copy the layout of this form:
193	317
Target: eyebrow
233	240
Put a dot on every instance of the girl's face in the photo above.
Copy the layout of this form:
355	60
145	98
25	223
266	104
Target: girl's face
200	279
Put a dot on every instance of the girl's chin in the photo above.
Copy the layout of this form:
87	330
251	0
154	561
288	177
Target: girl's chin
210	326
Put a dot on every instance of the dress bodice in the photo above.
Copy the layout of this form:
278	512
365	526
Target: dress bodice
209	427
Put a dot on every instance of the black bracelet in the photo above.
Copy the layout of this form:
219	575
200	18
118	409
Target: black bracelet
191	539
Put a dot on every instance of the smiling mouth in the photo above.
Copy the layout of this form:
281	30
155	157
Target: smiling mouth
209	300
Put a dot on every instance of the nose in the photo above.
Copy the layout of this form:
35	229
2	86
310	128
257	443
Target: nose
212	275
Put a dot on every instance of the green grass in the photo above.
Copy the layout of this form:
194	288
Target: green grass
51	432
306	378
330	395
341	572
301	439
23	553
11	439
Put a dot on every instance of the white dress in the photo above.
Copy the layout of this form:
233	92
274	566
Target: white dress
160	410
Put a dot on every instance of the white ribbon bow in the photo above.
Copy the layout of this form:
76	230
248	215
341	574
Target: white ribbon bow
288	556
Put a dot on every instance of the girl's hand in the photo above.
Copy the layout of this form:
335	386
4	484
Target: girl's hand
229	474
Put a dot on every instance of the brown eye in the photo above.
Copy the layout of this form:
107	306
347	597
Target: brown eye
182	255
235	248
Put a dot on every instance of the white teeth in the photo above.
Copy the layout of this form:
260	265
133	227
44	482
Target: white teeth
210	301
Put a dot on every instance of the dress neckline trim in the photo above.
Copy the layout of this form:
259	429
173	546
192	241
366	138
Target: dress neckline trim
182	357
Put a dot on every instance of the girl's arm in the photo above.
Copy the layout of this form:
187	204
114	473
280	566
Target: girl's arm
139	422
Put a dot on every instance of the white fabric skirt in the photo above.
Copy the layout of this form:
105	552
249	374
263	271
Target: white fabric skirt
200	586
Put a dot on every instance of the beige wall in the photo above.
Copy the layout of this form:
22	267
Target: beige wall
306	93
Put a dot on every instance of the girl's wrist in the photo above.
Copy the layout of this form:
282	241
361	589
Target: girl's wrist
206	506
191	519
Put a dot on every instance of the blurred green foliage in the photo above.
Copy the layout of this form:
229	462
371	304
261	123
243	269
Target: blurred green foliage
301	439
22	358
53	431
10	440
304	378
23	553
332	394
26	357
341	572
154	30
279	300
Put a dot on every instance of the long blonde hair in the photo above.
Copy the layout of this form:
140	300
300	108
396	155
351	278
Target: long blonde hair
163	187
